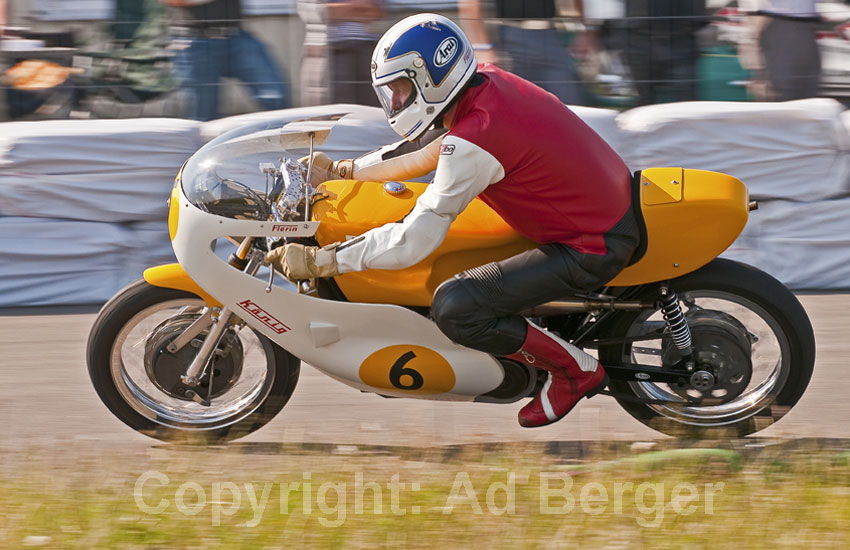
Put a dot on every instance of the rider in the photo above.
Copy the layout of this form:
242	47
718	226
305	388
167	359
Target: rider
519	149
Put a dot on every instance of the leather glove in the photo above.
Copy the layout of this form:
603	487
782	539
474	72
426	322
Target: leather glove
325	169
298	262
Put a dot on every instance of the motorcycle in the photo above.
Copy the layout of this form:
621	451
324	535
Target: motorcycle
209	349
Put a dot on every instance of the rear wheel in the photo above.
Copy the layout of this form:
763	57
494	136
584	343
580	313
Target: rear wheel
137	377
753	346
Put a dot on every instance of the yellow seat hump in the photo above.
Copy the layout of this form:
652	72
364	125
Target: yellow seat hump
691	216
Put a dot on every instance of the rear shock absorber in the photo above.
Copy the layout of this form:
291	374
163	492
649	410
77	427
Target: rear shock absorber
671	309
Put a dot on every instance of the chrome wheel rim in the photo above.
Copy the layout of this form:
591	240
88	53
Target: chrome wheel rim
771	362
139	391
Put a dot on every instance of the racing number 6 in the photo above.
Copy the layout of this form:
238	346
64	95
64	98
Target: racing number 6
408	369
400	370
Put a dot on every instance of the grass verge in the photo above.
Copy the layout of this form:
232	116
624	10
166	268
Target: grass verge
664	495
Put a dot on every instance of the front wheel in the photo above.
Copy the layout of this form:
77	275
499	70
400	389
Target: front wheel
754	349
137	376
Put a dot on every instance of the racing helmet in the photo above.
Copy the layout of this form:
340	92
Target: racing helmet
430	52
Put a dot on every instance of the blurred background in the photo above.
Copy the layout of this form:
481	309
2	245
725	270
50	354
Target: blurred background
201	59
83	212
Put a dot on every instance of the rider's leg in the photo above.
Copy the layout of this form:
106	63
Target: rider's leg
479	309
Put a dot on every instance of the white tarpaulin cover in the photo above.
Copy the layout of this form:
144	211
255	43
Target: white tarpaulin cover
82	203
53	261
804	245
96	170
798	150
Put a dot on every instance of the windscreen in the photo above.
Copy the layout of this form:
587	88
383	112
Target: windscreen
233	175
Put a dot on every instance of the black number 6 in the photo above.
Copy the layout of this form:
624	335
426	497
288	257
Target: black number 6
399	370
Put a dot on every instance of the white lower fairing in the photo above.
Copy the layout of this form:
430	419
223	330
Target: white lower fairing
335	337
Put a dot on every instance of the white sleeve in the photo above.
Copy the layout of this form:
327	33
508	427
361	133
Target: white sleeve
397	161
464	170
376	156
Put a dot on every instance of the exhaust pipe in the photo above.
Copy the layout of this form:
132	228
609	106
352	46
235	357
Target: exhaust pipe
578	306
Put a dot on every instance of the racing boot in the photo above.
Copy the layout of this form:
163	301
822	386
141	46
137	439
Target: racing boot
573	374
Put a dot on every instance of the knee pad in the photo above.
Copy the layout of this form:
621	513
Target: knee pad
451	304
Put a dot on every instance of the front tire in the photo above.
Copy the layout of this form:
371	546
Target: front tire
781	358
258	379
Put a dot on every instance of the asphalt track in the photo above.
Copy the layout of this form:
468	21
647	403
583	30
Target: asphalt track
46	397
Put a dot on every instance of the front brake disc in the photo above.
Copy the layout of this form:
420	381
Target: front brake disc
164	368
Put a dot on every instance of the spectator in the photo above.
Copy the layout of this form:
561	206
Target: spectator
661	48
783	52
337	51
529	45
3	110
211	44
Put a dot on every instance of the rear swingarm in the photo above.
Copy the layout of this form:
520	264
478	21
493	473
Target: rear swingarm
677	376
646	373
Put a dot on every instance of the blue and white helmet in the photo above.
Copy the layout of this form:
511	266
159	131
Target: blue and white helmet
433	53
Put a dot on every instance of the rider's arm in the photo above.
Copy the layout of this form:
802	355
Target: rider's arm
400	161
464	170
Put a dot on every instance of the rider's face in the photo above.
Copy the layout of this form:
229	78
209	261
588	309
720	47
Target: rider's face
401	88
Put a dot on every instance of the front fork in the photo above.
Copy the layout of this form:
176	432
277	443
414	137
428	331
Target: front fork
219	323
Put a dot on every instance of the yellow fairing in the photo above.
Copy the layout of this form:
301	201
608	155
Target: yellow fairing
688	224
691	217
174	210
173	276
477	236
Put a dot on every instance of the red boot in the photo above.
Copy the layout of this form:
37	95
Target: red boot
573	374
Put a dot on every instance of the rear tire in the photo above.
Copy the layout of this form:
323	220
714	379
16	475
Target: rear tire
143	407
758	295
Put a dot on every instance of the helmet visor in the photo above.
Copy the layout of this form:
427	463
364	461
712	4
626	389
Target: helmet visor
396	96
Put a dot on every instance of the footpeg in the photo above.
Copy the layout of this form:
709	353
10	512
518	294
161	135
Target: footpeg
598	389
